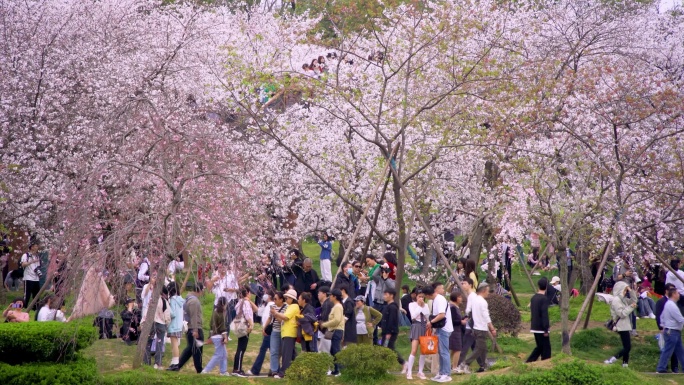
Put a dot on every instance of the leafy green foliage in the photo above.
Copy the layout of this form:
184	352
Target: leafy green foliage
364	364
149	376
43	341
81	371
575	372
309	369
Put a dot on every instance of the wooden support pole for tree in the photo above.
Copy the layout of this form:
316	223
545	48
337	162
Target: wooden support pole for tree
529	276
382	178
510	286
586	319
590	295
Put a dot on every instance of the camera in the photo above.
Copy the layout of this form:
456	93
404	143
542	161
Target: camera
38	272
385	269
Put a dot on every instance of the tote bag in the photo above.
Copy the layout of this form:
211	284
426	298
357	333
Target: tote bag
428	343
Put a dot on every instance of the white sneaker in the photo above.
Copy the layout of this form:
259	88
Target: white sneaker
625	365
436	378
466	369
249	373
421	376
651	316
445	379
610	360
458	370
404	368
155	366
409	376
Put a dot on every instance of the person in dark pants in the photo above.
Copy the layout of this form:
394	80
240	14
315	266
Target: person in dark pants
288	331
192	312
390	324
243	311
30	262
334	326
659	307
348	306
621	308
539	309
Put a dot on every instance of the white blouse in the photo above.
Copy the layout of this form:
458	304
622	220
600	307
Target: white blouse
416	311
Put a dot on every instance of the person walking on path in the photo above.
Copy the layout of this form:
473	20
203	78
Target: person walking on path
482	326
326	257
442	328
192	312
660	306
456	338
539	309
175	331
621	308
672	322
419	313
468	337
288	331
219	337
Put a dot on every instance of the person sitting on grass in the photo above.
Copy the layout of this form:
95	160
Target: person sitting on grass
15	312
51	310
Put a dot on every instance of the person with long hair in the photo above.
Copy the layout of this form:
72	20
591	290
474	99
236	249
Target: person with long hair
419	312
456	337
219	337
175	330
621	308
288	331
243	310
471	271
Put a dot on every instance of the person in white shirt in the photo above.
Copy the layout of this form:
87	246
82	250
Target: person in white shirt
555	282
469	337
482	326
174	266
224	284
419	313
162	317
146	295
670	277
440	312
30	262
50	311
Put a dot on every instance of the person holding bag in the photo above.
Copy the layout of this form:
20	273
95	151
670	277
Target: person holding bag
621	308
419	312
243	324
219	337
334	326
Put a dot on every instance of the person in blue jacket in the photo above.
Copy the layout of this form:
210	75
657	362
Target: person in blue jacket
326	263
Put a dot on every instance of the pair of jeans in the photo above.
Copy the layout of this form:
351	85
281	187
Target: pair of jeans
220	356
336	346
480	351
157	333
259	362
240	353
646	306
443	351
191	350
391	344
542	349
287	353
626	339
673	345
274	348
468	344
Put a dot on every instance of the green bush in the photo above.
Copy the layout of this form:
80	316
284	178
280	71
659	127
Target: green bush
309	369
365	364
594	339
149	376
81	372
505	316
575	372
43	341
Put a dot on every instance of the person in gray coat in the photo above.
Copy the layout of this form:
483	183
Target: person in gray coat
621	308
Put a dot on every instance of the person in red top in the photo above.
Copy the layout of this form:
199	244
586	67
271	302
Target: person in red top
391	259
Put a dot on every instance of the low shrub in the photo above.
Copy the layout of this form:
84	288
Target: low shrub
505	316
364	364
81	372
575	372
594	339
43	341
149	376
309	369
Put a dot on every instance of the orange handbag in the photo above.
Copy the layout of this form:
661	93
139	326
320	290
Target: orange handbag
428	343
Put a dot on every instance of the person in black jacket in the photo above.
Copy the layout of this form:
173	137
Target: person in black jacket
344	278
306	280
348	304
323	313
659	307
539	309
390	323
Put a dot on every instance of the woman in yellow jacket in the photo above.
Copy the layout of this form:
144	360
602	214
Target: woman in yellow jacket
335	326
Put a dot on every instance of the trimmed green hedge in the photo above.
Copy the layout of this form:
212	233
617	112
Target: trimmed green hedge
43	341
575	372
81	372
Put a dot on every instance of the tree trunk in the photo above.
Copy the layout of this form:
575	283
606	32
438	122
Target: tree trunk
146	327
584	272
476	240
403	241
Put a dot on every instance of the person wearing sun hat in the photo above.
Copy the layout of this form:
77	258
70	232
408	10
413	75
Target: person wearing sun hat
555	282
288	330
367	319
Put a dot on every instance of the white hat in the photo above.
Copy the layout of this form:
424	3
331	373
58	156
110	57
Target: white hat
292	294
555	279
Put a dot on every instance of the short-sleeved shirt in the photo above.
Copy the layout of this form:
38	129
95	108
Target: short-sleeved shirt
276	323
30	270
227	282
289	327
440	305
